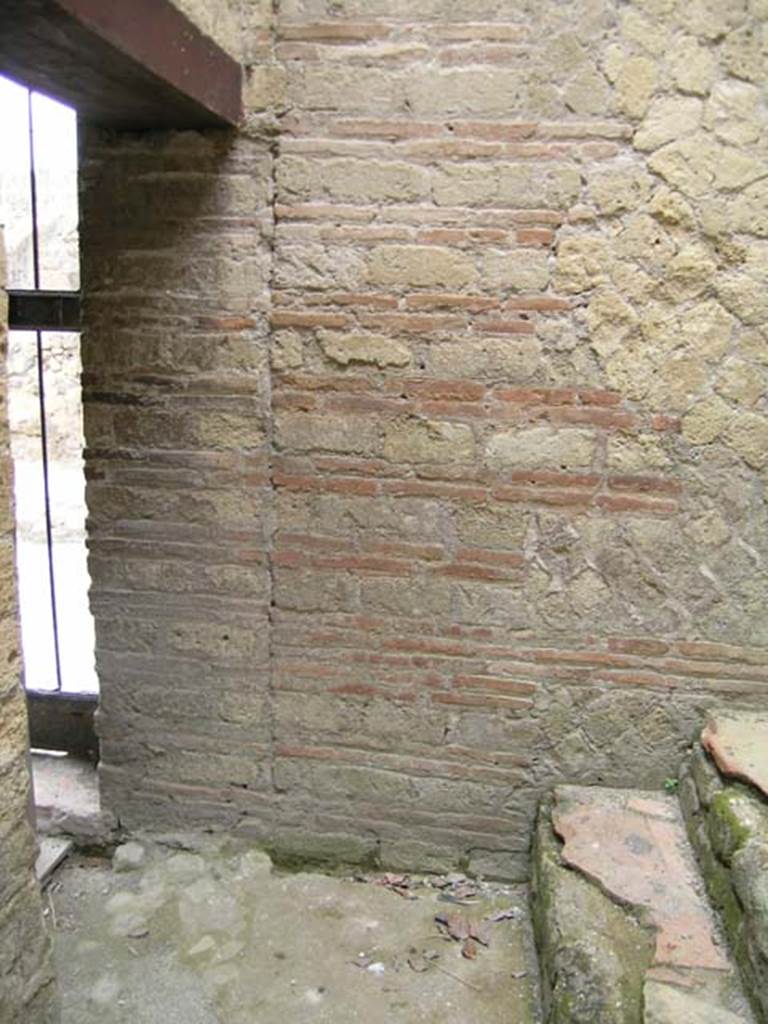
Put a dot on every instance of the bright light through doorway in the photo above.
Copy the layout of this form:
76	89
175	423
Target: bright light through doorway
55	142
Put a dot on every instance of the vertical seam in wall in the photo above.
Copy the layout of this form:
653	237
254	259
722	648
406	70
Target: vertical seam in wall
271	525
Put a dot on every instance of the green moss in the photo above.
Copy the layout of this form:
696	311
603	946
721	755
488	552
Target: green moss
593	953
733	818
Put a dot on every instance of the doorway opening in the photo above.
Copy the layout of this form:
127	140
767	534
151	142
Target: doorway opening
38	206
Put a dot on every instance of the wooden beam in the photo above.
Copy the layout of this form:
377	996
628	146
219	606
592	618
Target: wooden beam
127	64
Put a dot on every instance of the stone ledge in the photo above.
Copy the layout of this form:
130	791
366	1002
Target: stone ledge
624	932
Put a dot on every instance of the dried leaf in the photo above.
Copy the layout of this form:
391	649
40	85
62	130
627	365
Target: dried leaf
481	932
504	915
456	925
418	963
469	949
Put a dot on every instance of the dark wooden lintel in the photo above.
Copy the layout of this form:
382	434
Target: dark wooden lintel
127	64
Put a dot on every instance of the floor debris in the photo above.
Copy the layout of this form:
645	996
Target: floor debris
210	933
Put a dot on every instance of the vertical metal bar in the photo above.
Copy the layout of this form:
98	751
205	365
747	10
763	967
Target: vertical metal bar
41	395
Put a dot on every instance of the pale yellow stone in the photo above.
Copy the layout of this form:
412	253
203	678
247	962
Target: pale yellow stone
437	441
735	169
219	21
565	54
613	61
619	187
670	208
376	349
707	329
668	118
706	421
264	87
421	266
522	270
710	19
689	272
582	213
714	216
677	382
748	436
552	185
630	371
582	263
515	359
741	382
709	530
645	32
541	447
660	327
745	296
744	52
688	165
286	351
693	67
588	592
754	345
636	454
735	112
610	319
632	281
635	85
352	181
657	8
748	210
587	92
477	91
645	240
491	525
327	432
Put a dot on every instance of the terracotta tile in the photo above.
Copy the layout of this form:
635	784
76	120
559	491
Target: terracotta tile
738	743
635	849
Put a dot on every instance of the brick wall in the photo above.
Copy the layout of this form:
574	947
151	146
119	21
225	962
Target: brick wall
27	993
176	396
512	449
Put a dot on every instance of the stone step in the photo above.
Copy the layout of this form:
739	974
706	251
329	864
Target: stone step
624	929
724	797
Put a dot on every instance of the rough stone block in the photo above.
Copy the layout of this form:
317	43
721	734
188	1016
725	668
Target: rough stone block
421	267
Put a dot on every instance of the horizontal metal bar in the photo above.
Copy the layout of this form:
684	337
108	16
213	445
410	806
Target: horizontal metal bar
63	721
30	310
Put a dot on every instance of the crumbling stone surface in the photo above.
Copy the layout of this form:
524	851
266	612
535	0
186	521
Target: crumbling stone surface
426	421
728	824
27	990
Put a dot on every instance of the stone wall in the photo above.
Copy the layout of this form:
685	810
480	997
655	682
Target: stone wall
27	994
495	520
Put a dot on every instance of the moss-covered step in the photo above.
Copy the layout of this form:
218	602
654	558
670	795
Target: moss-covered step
722	794
624	929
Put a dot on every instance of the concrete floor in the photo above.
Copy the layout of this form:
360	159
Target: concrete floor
204	931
